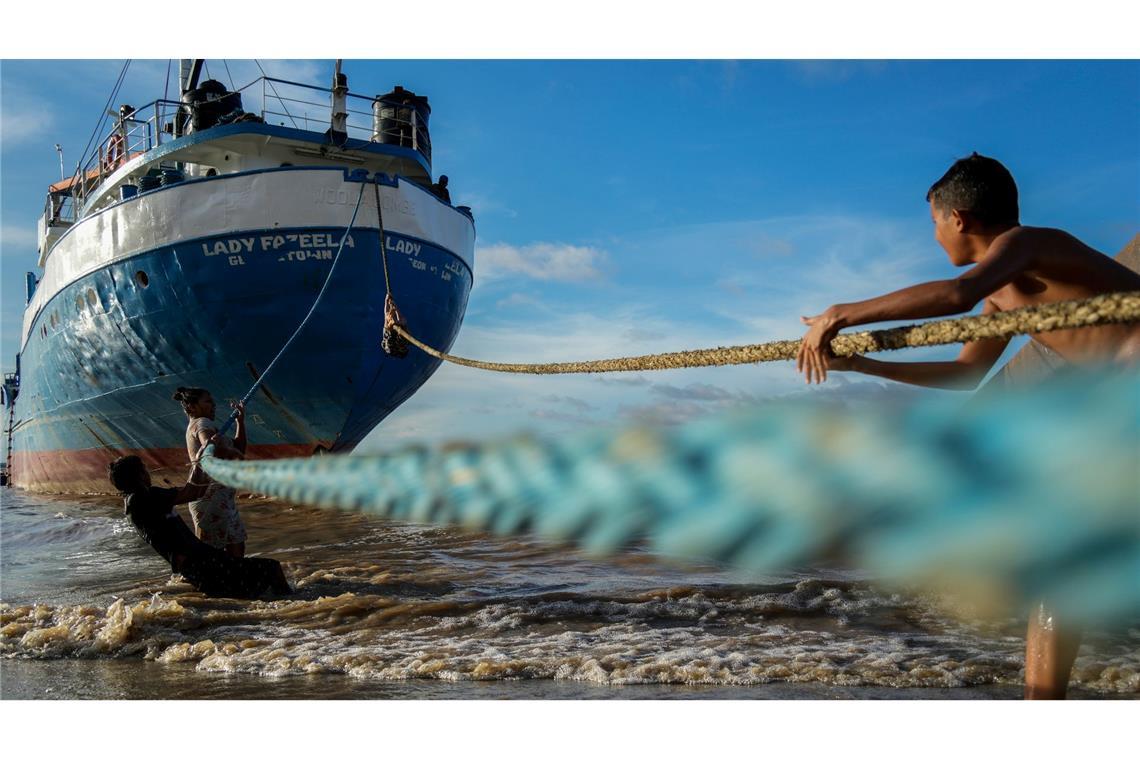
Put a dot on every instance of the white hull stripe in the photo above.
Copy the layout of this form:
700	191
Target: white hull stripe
294	197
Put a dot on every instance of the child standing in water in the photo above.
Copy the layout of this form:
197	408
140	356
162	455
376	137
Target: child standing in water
215	514
974	209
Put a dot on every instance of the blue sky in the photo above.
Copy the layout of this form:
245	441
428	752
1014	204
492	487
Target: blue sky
627	207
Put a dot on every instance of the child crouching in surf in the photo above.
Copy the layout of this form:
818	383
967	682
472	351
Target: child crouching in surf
210	570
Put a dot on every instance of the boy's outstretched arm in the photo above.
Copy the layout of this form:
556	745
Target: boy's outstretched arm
964	373
1009	255
930	299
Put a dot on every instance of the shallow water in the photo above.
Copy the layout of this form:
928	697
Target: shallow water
391	610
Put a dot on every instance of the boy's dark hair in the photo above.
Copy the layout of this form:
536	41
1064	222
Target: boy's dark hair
980	185
189	396
124	473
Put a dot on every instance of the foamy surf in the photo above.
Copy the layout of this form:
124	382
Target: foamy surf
421	608
812	633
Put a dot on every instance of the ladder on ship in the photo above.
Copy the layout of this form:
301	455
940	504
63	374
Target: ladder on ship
11	390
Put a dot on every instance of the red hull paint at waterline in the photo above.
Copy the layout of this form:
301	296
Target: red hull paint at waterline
82	472
191	259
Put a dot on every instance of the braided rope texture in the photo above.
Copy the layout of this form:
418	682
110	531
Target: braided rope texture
1018	497
1110	308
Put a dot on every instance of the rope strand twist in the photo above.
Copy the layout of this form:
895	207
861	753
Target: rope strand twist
1110	308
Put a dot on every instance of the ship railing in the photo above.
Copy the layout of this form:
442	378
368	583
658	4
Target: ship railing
298	105
59	209
142	130
276	101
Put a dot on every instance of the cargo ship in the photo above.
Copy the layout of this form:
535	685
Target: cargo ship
190	244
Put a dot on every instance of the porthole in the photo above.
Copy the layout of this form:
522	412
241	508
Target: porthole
54	321
92	299
141	278
211	172
79	304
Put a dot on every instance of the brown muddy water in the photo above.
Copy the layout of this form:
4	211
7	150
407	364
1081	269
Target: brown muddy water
386	610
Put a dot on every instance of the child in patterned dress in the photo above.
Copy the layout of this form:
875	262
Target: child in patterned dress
215	514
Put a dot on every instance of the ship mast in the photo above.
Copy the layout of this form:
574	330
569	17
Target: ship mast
189	70
338	123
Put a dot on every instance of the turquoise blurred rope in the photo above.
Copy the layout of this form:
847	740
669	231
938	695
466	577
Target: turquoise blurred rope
1023	497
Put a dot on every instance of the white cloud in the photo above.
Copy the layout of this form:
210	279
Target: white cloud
695	392
558	262
564	335
481	204
17	238
637	380
833	71
305	71
765	245
577	403
854	393
767	273
23	117
519	299
553	415
298	105
638	335
662	413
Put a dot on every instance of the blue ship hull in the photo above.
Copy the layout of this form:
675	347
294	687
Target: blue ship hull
105	354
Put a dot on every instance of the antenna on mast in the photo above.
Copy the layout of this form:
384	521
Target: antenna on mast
338	127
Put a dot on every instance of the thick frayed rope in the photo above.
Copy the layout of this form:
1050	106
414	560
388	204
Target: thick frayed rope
1111	308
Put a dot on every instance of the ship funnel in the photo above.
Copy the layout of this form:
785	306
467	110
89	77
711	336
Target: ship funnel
210	104
401	118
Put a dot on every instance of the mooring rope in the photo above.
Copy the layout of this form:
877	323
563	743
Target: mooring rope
1110	308
1023	496
312	310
